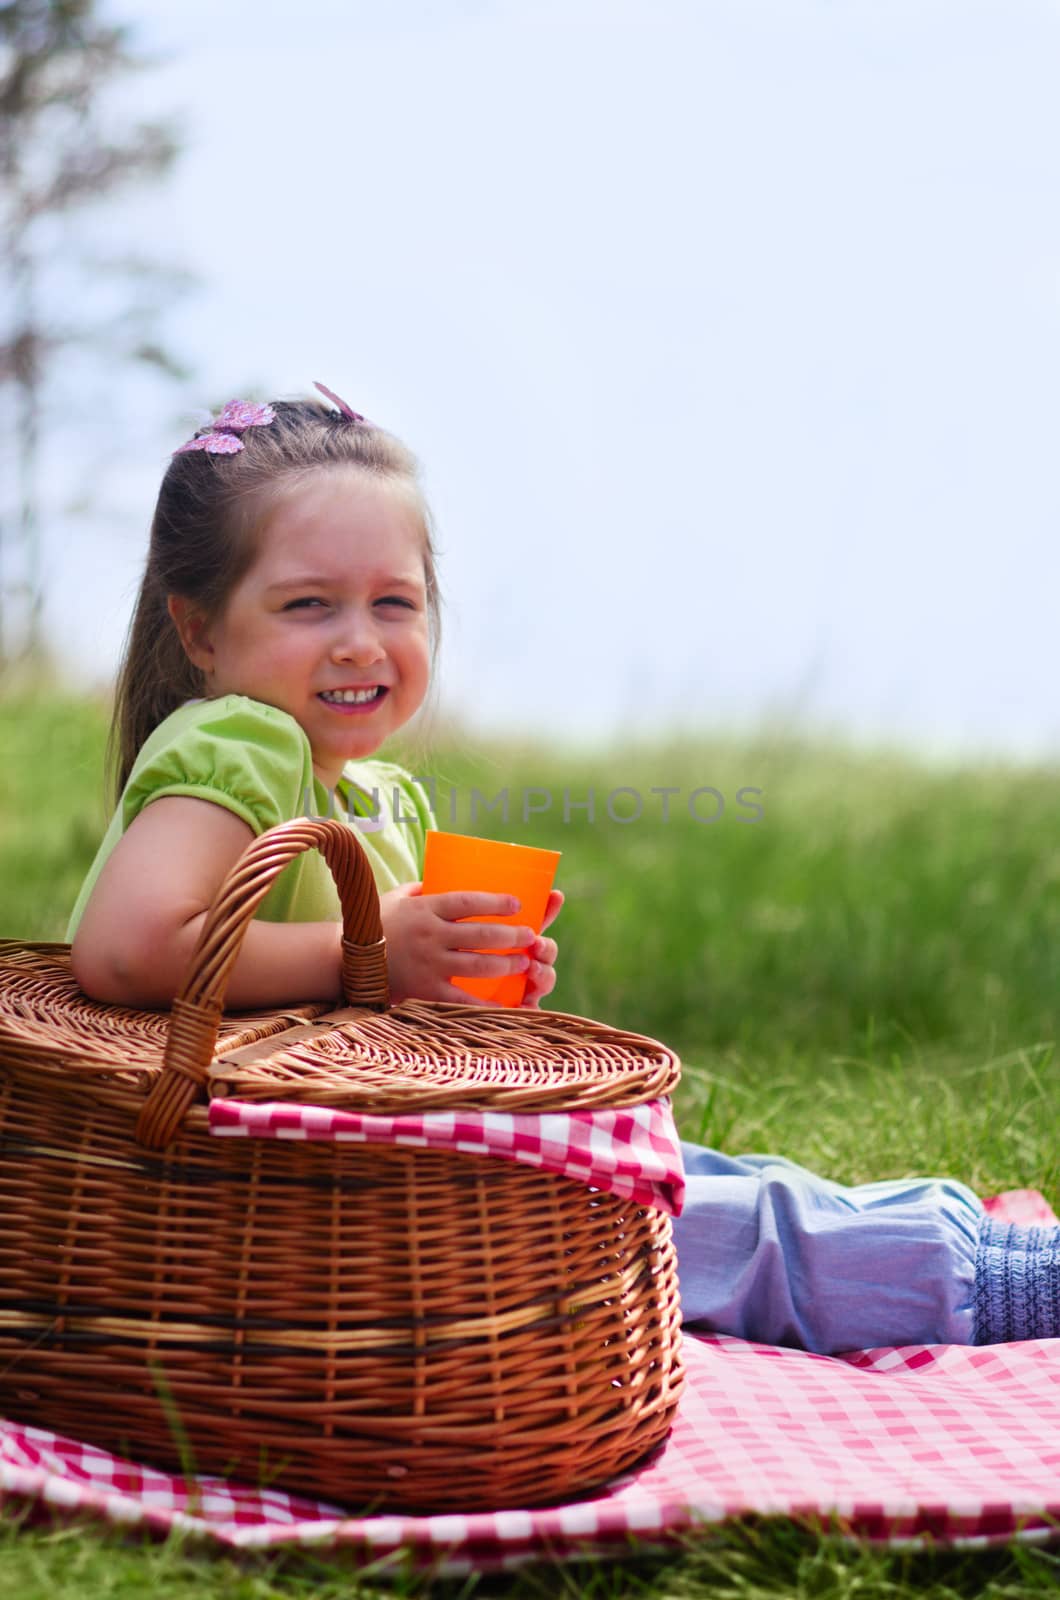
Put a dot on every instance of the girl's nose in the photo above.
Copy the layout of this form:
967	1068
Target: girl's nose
359	644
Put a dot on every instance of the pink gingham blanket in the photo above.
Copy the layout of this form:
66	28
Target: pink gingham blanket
634	1153
946	1443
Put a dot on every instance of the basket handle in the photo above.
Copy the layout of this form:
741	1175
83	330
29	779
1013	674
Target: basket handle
196	1012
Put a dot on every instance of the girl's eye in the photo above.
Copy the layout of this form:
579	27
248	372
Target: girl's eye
396	600
302	602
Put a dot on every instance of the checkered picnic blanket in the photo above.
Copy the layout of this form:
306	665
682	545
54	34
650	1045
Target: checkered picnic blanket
634	1153
943	1442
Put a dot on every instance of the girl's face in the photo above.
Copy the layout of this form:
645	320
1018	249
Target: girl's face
330	622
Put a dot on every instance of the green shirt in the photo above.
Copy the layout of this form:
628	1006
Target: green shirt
255	761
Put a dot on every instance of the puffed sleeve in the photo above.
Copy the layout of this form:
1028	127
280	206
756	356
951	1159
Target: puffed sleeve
234	752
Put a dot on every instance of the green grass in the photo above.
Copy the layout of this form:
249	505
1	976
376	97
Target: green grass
864	980
753	1560
52	809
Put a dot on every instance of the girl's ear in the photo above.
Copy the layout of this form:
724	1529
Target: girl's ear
190	623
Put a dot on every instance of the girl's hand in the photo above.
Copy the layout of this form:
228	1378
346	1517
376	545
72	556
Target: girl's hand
428	943
541	974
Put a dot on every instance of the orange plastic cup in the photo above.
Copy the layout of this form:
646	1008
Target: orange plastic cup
457	861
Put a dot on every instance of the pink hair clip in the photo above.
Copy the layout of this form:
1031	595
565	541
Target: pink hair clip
345	410
221	436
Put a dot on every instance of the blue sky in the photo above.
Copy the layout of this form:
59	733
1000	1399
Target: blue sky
726	332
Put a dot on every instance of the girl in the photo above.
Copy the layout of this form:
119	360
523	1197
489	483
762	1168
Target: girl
284	630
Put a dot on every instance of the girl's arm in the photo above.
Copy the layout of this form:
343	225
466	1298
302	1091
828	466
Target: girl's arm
139	929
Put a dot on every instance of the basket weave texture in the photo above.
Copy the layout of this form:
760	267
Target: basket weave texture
413	1329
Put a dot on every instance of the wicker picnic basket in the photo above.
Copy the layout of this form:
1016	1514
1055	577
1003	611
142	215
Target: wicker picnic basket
372	1324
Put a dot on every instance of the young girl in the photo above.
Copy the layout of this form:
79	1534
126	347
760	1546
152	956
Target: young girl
284	630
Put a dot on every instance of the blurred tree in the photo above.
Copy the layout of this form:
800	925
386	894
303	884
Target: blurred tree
59	153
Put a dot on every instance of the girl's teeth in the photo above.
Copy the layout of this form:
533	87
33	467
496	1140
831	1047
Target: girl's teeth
350	697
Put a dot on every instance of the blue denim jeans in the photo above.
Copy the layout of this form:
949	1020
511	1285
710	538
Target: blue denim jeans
769	1251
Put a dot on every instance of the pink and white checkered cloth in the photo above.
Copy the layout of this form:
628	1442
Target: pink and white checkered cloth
635	1153
948	1443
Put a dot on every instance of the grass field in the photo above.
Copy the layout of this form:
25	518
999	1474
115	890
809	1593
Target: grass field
863	979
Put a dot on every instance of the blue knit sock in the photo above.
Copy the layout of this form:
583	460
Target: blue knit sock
1017	1283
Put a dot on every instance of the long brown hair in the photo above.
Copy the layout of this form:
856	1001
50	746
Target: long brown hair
203	540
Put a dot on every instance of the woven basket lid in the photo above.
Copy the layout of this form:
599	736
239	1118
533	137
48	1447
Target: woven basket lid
428	1056
366	1056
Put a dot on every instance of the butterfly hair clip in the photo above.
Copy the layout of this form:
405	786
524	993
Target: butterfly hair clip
220	436
344	410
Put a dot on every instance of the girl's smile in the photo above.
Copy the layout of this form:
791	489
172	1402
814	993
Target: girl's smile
354	702
330	622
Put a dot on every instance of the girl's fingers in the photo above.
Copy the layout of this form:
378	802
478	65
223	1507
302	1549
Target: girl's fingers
540	981
545	951
470	964
542	977
487	935
553	907
458	904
